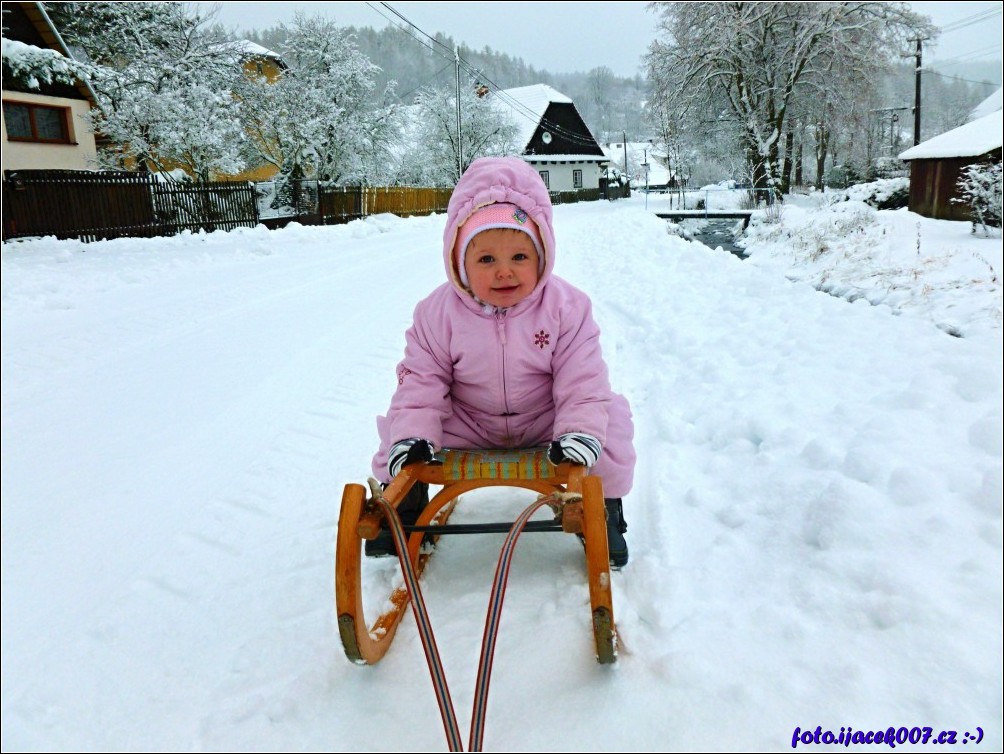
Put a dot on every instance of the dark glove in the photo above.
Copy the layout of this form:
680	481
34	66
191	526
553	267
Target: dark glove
404	452
576	448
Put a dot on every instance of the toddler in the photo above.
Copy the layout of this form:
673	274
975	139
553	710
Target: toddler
505	354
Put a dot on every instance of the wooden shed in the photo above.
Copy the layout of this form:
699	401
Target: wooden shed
937	164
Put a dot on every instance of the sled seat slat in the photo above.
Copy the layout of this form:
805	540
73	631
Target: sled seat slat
520	463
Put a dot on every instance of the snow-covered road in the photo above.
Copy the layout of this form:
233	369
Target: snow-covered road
815	527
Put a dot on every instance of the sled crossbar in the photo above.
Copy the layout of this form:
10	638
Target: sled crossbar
486	528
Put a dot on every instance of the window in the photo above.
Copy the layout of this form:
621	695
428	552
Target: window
577	179
27	122
545	176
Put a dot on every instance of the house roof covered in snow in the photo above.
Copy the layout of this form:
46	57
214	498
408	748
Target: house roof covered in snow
987	106
31	39
245	49
253	50
528	105
970	140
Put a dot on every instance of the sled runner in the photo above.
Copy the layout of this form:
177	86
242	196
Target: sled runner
576	498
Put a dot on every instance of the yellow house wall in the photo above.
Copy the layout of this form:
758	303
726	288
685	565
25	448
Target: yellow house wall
269	69
80	154
260	173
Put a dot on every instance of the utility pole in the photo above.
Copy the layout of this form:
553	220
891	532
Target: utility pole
624	144
645	166
916	100
460	140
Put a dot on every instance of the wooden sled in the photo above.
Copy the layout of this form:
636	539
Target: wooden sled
460	471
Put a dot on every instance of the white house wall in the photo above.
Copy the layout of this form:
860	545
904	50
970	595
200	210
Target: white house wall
81	154
560	174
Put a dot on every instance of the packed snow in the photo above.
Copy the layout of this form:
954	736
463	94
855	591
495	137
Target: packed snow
815	527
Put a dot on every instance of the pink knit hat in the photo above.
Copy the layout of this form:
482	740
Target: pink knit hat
498	215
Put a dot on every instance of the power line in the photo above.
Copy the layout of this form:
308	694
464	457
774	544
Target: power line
524	111
513	104
431	78
407	31
962	23
968	55
435	42
958	78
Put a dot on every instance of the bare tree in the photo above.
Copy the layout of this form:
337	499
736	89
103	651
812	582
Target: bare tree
750	62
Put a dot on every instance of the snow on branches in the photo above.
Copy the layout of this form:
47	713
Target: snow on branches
980	187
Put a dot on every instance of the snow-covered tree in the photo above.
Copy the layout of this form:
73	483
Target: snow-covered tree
980	186
436	157
321	117
163	82
750	62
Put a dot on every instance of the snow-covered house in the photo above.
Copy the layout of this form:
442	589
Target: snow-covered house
44	104
553	137
645	163
936	164
257	60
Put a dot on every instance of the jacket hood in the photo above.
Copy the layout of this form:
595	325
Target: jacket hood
490	180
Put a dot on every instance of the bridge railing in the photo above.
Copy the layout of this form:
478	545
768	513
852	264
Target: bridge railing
720	199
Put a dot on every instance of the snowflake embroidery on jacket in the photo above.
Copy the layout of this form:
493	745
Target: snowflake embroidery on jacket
542	339
402	372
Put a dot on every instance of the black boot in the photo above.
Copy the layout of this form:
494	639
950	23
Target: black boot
409	510
616	526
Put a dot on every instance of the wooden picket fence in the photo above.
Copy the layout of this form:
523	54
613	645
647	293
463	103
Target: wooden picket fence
221	205
312	202
77	204
93	205
405	201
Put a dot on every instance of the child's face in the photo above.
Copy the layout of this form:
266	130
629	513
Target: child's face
502	266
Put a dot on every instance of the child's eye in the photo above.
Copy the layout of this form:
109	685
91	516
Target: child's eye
486	259
521	257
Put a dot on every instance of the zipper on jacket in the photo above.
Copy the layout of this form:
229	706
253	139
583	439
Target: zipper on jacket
500	327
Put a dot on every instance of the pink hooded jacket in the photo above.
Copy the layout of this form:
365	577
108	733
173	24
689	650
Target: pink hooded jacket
474	376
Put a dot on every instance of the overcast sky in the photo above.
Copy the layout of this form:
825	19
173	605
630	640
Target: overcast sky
563	37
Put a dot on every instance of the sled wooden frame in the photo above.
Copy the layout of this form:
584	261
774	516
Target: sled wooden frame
462	471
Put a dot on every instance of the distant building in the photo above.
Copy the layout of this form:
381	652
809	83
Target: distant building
554	138
259	63
936	164
646	164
